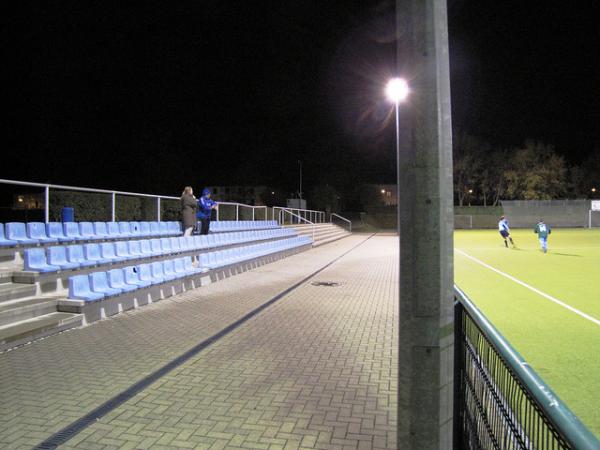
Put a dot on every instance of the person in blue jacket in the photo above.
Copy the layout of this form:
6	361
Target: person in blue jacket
205	207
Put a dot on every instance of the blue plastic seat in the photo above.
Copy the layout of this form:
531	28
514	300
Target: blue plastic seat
135	228
179	267
145	274
55	230
175	247
122	250
57	256
199	242
146	248
75	254
154	229
113	230
131	275
191	242
183	243
79	288
166	245
169	270
124	229
107	250
99	283
205	261
207	241
164	228
35	260
92	253
156	246
175	228
86	230
158	273
144	228
189	267
3	241
100	230
37	230
15	231
135	249
71	230
116	279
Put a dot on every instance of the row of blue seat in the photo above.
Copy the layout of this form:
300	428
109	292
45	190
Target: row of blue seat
70	257
238	225
98	285
33	233
221	258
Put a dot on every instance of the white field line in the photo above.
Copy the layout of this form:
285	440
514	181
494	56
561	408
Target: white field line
531	288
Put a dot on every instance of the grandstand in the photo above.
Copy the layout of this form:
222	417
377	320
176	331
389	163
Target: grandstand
60	275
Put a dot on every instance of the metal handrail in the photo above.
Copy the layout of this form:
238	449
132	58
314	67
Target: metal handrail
343	218
48	186
568	424
237	209
288	211
318	216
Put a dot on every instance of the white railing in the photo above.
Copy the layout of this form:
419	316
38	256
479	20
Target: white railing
310	215
47	187
284	211
113	196
349	222
242	205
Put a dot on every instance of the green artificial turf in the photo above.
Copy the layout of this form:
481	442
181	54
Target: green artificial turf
563	347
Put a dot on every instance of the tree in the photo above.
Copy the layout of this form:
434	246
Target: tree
466	164
324	197
536	172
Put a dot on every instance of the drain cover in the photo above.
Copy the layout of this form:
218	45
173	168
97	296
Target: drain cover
326	283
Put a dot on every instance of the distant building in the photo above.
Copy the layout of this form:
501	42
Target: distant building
248	195
374	195
28	201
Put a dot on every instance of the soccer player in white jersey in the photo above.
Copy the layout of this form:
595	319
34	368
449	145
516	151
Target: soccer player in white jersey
504	231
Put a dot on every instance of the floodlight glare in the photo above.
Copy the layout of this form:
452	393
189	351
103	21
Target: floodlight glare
397	90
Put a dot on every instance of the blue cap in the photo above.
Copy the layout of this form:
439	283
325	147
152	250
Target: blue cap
205	191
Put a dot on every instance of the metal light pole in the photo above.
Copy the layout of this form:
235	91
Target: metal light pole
300	187
397	91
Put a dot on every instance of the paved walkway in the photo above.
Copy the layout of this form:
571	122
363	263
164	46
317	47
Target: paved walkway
316	369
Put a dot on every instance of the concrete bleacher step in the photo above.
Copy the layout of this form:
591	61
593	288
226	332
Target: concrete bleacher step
24	309
14	291
31	329
324	233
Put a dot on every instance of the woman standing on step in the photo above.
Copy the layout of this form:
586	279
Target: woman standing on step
189	206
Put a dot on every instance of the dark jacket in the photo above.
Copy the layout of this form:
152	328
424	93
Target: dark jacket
188	210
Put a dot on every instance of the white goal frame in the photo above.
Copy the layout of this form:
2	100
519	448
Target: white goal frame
595	207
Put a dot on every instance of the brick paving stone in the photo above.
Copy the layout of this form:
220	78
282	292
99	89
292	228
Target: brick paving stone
315	370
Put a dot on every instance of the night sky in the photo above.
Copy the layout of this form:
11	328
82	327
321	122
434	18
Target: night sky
151	96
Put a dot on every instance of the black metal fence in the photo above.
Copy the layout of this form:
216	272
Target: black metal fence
500	402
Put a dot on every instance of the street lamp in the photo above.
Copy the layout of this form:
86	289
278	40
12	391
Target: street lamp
396	92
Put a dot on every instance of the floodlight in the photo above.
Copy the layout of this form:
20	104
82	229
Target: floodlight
397	90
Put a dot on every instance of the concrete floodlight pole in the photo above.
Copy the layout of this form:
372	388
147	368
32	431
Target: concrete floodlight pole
425	226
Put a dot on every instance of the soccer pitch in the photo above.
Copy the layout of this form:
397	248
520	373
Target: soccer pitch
546	305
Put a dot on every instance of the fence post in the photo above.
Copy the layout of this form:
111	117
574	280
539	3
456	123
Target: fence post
113	215
158	208
47	204
253	213
237	212
457	427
